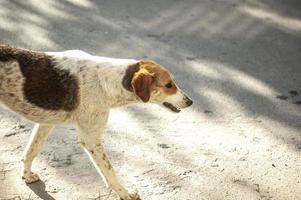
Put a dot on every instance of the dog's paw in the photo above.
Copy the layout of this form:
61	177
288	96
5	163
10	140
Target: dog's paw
134	196
31	177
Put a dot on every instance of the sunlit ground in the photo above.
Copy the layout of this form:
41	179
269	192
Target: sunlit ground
238	60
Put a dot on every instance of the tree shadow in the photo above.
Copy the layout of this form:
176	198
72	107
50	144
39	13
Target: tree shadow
209	46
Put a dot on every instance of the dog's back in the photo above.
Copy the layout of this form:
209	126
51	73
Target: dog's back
32	86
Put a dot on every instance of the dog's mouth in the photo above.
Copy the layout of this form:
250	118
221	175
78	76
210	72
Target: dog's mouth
171	107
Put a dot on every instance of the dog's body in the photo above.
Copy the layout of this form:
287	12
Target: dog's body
74	87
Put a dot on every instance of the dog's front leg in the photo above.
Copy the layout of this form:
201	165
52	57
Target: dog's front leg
90	139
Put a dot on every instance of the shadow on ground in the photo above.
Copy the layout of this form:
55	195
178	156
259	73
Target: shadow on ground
226	54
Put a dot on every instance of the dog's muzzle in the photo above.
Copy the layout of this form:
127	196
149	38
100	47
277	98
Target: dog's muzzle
188	101
177	109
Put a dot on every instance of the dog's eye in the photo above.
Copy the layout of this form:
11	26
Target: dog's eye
168	85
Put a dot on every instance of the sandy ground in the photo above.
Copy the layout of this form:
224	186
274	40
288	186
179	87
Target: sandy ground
238	59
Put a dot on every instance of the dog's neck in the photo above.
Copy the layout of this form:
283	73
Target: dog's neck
117	86
124	100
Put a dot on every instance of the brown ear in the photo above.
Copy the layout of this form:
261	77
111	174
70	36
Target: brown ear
142	83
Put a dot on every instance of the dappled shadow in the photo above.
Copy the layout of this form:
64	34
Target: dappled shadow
234	58
282	7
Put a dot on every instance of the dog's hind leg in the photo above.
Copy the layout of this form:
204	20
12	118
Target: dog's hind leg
38	137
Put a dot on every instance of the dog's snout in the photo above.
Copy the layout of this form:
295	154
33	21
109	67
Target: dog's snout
188	101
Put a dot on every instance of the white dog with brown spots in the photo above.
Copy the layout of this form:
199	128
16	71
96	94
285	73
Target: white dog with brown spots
73	87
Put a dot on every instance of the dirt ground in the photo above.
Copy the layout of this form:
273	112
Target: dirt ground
239	60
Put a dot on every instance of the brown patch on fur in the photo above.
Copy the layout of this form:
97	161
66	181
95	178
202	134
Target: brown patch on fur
169	91
146	76
104	157
142	84
129	74
91	151
45	86
161	76
109	166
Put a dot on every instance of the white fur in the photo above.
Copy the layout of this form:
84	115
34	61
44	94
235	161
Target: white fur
177	99
100	88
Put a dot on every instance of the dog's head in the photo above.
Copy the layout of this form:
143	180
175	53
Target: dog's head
153	83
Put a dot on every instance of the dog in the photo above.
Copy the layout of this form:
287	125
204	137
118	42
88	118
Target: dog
74	87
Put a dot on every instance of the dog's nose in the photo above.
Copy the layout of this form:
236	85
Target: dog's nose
188	102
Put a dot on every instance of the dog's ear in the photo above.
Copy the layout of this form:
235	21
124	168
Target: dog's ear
142	84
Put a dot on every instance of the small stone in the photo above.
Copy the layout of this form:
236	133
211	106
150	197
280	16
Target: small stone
176	187
10	134
257	189
282	97
298	103
21	126
207	111
145	185
242	159
190	58
164	146
293	92
52	189
186	172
